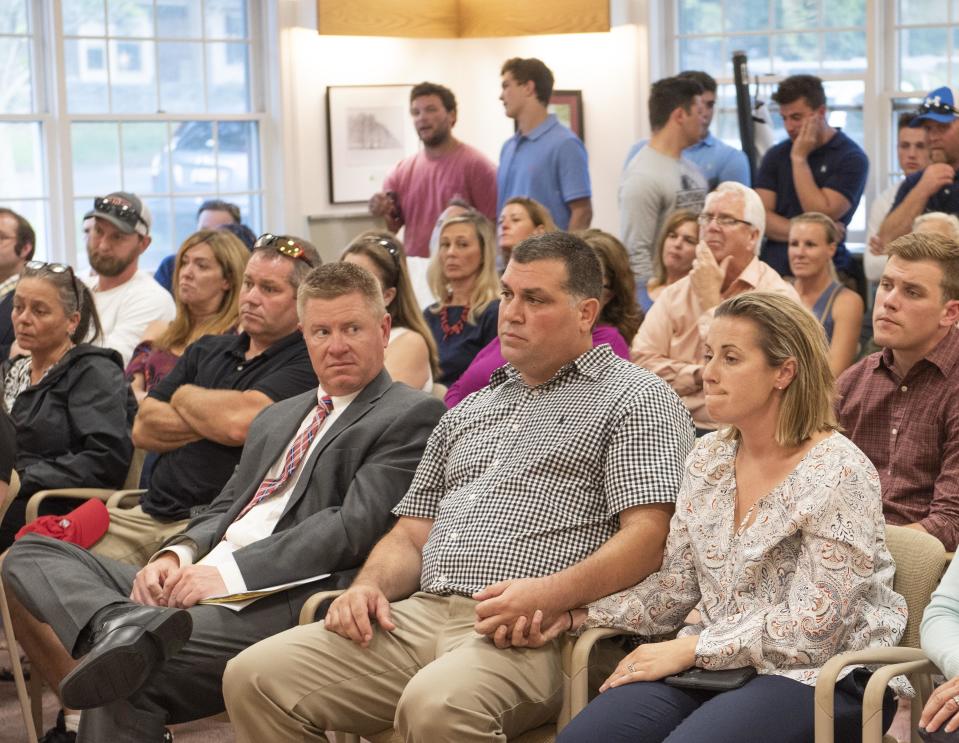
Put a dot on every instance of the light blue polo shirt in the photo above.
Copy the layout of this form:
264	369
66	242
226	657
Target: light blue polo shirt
716	160
549	164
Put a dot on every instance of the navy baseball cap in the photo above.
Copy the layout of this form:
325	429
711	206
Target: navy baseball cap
938	106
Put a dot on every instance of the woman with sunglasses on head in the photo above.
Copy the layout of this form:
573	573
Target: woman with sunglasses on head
619	318
675	251
813	238
463	275
411	355
69	402
207	276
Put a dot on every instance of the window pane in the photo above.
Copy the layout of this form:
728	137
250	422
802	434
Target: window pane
179	19
922	64
184	218
848	93
955	56
746	15
144	156
844	51
703	54
757	52
13	17
21	160
133	76
797	53
16	90
797	14
96	158
83	17
841	13
923	11
226	19
164	241
181	76
130	17
237	160
193	159
85	63
228	86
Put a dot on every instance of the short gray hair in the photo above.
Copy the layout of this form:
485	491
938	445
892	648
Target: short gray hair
334	280
753	210
952	223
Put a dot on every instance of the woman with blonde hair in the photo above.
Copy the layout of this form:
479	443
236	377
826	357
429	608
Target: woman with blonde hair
463	275
675	251
778	537
207	277
411	355
521	217
813	238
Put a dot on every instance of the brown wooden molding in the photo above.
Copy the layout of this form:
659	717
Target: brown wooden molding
460	18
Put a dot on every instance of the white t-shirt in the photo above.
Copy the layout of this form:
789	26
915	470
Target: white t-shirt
126	311
873	265
428	385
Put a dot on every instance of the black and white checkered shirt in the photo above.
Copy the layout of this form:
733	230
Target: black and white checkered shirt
524	482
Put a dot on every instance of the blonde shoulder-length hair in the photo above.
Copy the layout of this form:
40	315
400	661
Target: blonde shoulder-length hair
486	284
787	330
231	255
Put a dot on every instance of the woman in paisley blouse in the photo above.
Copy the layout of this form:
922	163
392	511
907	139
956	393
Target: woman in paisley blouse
778	538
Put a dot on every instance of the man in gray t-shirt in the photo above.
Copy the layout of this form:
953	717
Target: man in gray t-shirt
659	179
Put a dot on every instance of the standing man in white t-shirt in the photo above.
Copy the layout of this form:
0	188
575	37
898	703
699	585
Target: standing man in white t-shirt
127	299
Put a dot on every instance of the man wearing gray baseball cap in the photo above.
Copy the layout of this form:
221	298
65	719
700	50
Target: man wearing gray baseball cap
935	188
127	298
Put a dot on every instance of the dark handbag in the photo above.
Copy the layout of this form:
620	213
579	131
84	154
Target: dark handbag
703	680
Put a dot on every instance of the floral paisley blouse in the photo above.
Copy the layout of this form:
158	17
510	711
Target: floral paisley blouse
809	578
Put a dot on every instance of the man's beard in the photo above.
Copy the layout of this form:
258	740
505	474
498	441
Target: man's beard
109	266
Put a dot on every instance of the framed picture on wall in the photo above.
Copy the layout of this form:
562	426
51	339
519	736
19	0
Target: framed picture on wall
568	107
369	130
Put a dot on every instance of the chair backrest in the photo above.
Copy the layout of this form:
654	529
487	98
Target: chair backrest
920	559
133	474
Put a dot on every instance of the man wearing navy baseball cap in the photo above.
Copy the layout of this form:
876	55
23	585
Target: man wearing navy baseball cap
935	188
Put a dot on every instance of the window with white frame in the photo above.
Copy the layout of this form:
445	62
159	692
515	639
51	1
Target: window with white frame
158	97
826	38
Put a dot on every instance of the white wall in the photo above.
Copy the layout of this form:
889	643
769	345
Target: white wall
612	70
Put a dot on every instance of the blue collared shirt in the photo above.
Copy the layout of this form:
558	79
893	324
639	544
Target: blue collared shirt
548	164
715	159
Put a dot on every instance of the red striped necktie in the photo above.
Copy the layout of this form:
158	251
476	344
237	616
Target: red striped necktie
294	455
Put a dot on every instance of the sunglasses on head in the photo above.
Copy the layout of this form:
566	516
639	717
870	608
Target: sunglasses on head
41	267
936	106
283	244
388	246
120	209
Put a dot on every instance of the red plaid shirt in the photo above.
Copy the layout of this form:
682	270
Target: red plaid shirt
909	428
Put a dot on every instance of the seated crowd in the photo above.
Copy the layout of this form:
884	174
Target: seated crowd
679	435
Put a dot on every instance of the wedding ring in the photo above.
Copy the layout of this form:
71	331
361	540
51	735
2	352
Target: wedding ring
955	699
630	668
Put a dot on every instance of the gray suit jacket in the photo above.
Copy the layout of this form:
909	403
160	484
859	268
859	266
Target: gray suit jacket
341	503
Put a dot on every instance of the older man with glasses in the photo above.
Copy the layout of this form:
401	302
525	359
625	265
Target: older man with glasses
935	188
670	340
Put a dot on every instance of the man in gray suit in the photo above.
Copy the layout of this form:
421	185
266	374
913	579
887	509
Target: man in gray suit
311	495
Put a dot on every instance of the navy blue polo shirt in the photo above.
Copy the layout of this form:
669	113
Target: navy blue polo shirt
946	199
194	474
840	165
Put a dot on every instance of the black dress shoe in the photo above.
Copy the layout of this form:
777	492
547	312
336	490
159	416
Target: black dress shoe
127	643
58	733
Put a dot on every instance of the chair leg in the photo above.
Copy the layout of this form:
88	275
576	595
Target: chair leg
31	709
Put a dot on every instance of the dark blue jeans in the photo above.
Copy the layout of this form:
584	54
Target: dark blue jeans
767	708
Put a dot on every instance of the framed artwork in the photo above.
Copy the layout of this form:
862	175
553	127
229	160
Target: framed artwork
568	107
369	130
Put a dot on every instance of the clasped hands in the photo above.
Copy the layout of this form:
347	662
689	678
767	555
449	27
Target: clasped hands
164	583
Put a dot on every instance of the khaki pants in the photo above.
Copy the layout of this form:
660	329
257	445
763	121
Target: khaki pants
433	678
134	536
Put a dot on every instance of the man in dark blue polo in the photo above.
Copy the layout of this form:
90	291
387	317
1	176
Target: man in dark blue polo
818	169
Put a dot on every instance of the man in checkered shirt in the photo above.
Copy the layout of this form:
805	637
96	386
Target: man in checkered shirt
546	490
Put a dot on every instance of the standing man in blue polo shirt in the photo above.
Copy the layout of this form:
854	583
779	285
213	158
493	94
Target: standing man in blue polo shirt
544	160
818	169
935	188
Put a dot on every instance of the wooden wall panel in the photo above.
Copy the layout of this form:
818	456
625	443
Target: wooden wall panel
460	18
419	18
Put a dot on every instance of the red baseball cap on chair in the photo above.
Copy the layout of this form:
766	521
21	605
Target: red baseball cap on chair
82	526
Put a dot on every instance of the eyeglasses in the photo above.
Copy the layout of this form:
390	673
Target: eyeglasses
935	105
120	209
37	267
723	220
283	244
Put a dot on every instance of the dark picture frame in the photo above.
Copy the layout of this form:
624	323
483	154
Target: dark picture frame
368	131
568	107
